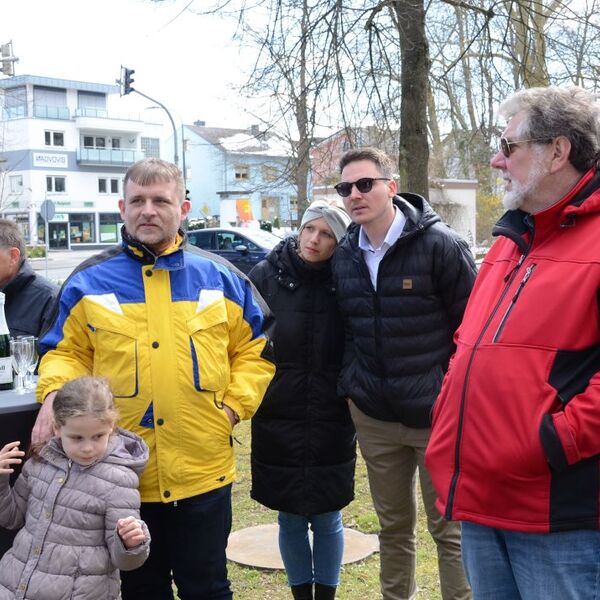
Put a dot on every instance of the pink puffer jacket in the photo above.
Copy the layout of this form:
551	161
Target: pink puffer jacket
68	546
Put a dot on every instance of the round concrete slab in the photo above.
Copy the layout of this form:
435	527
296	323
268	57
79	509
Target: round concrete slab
258	546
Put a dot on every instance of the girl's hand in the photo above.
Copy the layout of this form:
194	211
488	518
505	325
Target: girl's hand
131	532
10	455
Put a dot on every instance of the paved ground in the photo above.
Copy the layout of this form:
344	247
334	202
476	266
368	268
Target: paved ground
60	263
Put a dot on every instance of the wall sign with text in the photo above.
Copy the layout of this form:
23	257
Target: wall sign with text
50	161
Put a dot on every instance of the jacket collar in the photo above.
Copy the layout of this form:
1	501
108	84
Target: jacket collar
419	216
520	226
24	275
171	259
292	271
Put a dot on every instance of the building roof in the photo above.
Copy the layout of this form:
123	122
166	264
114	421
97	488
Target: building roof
243	141
11	82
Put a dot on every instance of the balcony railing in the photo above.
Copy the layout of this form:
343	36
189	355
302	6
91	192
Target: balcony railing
108	156
51	112
91	112
14	112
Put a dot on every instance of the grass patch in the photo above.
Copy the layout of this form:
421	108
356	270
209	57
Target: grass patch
359	581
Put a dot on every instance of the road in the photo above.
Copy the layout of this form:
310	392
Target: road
60	263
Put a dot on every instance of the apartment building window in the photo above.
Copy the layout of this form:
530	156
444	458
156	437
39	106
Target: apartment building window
270	173
104	185
15	102
150	147
269	206
94	141
110	224
293	207
56	184
16	184
242	172
82	228
50	103
92	104
54	138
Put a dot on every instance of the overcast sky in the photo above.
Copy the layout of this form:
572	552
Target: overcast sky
187	62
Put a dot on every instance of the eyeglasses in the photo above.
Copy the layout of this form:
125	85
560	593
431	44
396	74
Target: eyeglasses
506	146
363	185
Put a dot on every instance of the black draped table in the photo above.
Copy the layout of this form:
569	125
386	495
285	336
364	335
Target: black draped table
17	416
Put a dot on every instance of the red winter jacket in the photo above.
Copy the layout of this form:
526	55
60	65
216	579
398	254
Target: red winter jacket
516	427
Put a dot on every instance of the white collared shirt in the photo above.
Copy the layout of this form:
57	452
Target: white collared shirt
372	255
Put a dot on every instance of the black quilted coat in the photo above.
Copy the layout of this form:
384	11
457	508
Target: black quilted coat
303	440
401	334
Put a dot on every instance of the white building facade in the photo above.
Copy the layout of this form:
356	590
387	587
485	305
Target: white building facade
62	141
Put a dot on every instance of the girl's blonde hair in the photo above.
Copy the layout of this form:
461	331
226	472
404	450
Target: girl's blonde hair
85	396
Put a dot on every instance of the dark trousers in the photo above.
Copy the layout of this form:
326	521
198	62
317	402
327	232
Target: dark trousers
189	539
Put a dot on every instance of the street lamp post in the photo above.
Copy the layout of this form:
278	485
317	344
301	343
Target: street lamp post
175	151
126	88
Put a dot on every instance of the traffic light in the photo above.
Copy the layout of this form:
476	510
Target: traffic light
8	60
127	80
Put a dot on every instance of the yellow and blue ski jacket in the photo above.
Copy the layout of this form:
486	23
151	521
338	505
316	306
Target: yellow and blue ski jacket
178	336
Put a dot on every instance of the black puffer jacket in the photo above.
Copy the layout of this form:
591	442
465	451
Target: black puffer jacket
303	440
400	336
29	302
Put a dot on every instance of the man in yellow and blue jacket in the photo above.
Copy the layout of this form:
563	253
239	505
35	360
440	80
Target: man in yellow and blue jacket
183	339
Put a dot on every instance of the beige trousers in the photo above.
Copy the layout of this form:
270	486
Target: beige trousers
393	453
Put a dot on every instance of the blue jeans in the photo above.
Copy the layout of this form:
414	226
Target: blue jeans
510	565
188	544
320	564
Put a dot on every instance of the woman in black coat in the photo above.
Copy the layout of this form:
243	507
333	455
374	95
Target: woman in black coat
303	440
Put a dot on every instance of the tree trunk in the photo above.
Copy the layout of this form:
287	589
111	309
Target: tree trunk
413	159
303	162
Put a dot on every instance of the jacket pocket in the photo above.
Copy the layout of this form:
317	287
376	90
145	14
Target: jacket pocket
209	339
513	302
115	352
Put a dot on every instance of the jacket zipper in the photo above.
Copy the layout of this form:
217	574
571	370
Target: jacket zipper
511	277
525	279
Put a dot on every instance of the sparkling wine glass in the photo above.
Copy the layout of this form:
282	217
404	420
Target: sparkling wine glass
20	358
33	360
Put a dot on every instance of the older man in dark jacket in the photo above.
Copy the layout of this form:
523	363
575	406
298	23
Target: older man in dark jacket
29	296
402	280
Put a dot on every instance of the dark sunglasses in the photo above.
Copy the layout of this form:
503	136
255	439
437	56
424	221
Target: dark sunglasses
363	185
507	147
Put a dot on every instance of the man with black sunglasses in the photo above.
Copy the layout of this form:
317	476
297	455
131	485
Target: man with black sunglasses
402	279
515	448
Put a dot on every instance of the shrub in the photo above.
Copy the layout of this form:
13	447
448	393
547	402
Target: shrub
36	251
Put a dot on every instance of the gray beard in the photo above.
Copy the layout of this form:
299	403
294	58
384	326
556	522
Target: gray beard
521	192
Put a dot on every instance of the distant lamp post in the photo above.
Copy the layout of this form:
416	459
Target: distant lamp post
125	83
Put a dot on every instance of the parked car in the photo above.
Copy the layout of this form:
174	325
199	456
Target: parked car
240	246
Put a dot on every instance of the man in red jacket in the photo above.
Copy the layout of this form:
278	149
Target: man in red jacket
514	452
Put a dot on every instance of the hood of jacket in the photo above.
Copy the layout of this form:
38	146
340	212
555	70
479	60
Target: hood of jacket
292	271
418	213
124	448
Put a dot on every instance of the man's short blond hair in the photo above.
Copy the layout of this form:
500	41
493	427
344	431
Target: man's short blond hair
378	157
150	170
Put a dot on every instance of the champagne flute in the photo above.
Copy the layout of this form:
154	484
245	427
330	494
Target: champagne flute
33	360
20	357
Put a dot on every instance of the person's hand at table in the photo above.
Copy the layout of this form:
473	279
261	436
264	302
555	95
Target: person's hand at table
10	455
42	429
